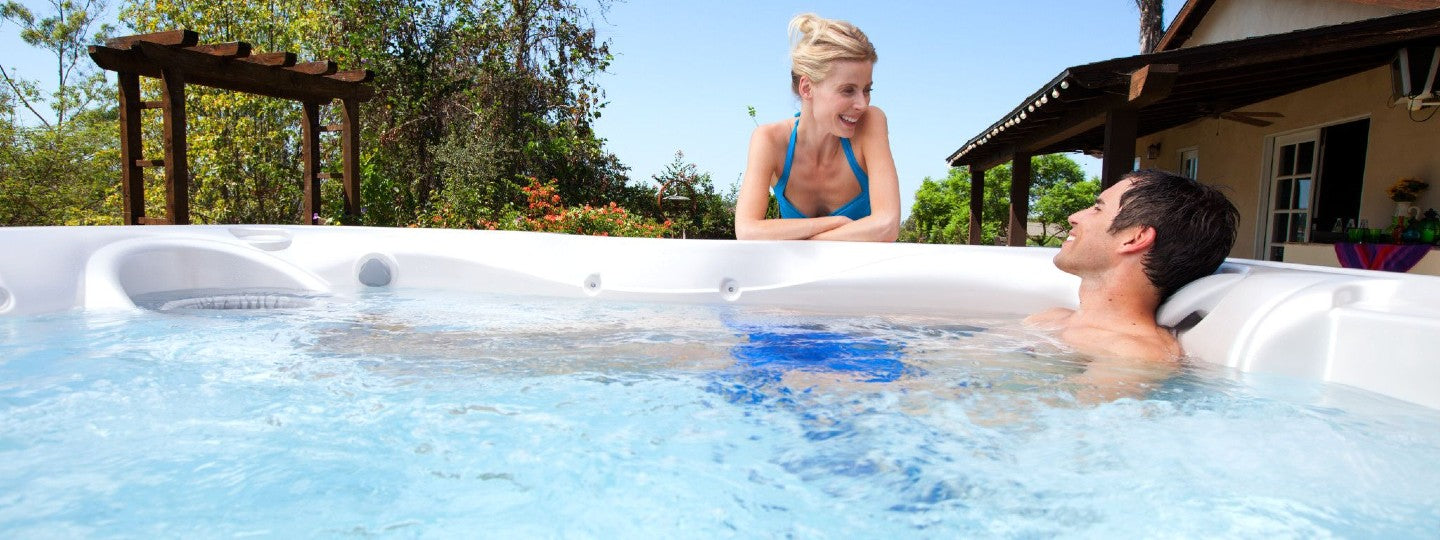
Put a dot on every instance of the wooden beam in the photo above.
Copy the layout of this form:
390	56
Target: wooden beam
242	76
977	204
1121	127
132	177
310	157
177	172
168	38
175	58
354	75
1152	83
281	59
1149	84
323	67
234	49
1020	179
332	128
350	158
147	220
988	156
1080	121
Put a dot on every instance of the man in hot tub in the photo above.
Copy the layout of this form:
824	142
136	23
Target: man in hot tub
1146	237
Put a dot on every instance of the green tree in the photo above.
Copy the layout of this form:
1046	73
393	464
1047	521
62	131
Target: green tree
61	169
941	213
702	212
1059	188
65	34
243	149
473	100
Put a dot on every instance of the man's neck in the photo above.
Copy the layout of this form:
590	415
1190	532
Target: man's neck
1109	301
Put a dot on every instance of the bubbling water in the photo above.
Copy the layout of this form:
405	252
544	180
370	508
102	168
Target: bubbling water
414	413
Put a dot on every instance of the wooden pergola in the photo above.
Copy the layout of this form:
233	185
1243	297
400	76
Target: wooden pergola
177	58
1104	107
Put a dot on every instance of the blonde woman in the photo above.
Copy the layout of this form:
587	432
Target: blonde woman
830	167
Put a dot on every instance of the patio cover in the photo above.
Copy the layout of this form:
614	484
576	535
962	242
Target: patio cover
1162	90
1102	108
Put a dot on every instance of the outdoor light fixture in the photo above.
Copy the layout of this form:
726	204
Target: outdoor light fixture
1152	151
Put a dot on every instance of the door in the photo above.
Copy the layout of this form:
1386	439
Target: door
1190	163
1292	179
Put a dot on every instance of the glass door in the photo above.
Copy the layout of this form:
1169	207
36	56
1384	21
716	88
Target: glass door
1292	181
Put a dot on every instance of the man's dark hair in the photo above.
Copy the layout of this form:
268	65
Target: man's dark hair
1194	226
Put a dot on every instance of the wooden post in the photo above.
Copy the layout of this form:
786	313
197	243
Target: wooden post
1121	126
176	57
177	173
1019	199
132	177
350	154
977	203
1149	84
310	155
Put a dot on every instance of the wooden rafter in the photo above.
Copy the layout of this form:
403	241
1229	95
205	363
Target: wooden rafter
177	58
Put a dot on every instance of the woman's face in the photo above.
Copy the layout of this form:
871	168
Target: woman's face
838	101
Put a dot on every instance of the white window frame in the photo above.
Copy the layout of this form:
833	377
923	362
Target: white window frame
1272	167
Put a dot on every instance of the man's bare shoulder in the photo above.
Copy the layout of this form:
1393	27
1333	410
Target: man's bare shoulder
1148	344
1050	317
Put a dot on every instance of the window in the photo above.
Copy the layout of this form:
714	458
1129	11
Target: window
1190	163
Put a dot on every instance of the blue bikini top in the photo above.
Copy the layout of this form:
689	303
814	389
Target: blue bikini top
857	208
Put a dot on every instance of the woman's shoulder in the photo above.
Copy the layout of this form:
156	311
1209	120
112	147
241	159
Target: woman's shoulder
873	117
772	132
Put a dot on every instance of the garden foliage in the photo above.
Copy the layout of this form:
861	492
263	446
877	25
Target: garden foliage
941	213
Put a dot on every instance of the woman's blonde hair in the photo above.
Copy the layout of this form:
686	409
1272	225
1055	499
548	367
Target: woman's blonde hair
816	42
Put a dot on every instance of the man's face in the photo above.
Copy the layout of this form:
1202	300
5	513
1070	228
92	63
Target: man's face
1090	247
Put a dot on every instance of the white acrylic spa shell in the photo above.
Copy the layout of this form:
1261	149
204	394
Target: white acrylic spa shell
1373	330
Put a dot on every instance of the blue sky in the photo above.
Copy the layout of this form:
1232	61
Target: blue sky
685	72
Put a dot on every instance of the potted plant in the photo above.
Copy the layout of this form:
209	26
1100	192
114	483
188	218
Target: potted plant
1404	193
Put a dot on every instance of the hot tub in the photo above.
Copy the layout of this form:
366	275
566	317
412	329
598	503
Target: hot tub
1376	331
317	380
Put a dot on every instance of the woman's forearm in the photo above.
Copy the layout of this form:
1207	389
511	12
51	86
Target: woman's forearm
868	229
787	229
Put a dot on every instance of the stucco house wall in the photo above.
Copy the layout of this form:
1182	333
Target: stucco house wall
1229	20
1234	155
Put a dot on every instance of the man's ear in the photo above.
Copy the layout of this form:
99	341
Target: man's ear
1137	239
